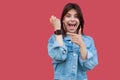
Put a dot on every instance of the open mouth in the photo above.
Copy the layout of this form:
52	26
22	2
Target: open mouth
71	25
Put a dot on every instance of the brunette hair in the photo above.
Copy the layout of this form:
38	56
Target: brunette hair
76	7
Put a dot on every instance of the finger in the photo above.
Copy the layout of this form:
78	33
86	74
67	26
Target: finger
80	31
74	40
54	17
50	19
71	34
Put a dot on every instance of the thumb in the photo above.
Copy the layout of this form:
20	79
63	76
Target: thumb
79	31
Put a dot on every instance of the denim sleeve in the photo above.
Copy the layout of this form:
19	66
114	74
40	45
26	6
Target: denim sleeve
92	59
56	52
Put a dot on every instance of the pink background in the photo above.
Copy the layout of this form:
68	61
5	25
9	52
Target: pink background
25	30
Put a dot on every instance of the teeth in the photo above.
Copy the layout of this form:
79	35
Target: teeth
71	24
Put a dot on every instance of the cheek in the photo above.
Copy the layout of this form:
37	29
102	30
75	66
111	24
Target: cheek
66	19
78	21
64	22
65	28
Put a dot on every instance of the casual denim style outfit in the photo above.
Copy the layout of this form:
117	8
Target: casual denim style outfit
67	61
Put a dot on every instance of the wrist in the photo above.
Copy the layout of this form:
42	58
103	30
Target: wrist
58	32
57	29
81	45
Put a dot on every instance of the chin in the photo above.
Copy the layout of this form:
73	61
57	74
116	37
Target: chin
72	31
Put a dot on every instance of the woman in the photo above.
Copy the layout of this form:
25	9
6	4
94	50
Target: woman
73	53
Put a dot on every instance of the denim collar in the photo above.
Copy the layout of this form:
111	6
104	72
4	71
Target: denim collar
67	38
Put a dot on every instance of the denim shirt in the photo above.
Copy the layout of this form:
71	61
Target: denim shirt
67	61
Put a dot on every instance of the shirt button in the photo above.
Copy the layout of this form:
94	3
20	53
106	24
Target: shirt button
64	51
73	67
69	41
74	54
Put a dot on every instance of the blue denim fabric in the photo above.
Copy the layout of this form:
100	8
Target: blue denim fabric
67	61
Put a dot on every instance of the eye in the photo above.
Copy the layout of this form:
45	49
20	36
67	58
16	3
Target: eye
76	16
68	15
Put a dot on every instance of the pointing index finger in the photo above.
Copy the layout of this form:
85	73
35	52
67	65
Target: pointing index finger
71	34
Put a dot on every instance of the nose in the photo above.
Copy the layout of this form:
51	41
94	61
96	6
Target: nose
72	18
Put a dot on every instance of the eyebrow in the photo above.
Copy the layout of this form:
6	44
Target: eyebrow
70	14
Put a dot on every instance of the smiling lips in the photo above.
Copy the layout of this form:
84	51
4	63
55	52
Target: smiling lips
71	26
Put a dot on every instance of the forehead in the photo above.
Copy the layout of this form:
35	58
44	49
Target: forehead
72	11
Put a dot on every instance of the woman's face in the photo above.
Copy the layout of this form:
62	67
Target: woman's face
71	21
